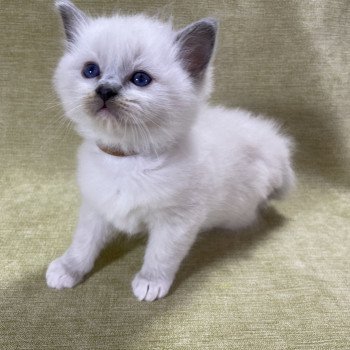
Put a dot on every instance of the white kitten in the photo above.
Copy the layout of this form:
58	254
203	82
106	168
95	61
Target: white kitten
155	156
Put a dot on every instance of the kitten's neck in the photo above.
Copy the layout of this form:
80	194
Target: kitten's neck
128	147
119	150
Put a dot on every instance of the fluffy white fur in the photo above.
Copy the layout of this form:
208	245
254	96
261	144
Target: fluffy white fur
196	167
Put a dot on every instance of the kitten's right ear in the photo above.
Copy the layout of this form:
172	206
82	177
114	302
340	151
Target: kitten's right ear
72	17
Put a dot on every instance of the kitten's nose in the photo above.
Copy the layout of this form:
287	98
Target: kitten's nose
106	92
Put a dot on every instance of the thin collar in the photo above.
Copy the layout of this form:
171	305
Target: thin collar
114	151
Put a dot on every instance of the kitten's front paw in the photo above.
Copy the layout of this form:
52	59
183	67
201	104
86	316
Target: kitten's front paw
149	289
58	276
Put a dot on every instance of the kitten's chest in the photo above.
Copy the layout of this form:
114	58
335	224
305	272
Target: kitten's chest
122	191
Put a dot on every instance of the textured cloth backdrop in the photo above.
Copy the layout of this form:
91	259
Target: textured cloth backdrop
282	286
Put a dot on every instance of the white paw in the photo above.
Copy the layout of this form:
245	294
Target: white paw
58	276
150	289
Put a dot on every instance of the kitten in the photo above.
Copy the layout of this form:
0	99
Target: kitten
155	156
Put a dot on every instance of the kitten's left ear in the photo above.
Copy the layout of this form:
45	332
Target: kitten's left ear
72	17
197	43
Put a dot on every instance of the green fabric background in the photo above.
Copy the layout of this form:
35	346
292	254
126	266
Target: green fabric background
284	285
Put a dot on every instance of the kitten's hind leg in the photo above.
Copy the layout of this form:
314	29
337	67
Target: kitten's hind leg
91	235
287	183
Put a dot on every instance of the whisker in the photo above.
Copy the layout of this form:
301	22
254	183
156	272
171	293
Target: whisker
63	123
145	134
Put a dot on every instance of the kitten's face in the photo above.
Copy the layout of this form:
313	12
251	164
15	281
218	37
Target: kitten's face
124	82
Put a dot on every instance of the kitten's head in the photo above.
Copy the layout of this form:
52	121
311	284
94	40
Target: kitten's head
131	81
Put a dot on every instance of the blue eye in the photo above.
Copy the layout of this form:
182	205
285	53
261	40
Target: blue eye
141	79
91	70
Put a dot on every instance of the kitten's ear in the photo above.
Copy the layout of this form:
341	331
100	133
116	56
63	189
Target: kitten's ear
197	43
72	17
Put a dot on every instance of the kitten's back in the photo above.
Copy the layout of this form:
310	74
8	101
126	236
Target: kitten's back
248	157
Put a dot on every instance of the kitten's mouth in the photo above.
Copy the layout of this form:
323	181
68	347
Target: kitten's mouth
105	111
108	110
103	108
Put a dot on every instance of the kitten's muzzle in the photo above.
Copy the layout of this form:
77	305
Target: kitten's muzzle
107	92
